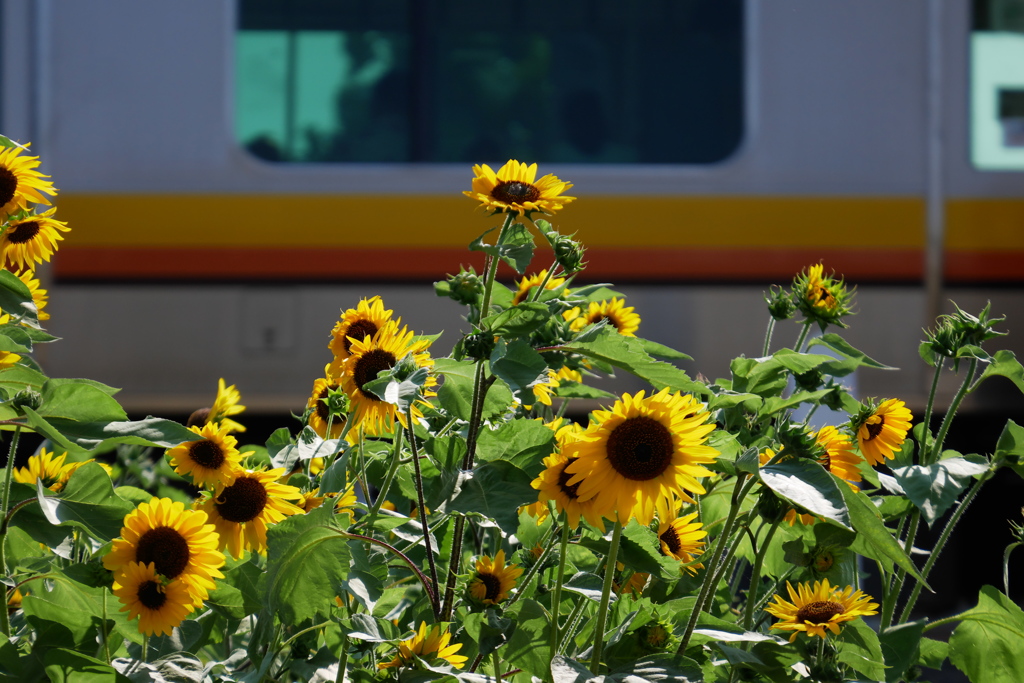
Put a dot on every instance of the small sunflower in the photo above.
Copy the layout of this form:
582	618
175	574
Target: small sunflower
39	296
213	459
344	503
180	542
319	410
514	188
553	483
48	467
160	605
528	283
634	585
883	430
242	511
814	609
371	356
640	452
543	391
615	311
493	580
224	406
681	538
20	183
357	324
821	298
31	240
428	643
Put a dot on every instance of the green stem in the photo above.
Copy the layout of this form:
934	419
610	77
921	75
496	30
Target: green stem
549	543
799	346
392	471
606	591
454	564
103	628
892	596
539	289
768	335
571	626
408	562
755	577
940	438
556	596
492	270
497	666
342	658
5	620
435	604
927	430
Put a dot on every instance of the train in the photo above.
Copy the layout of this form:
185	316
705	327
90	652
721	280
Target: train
236	172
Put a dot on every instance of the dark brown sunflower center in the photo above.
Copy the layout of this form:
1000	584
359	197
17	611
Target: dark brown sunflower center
151	596
367	367
207	454
876	428
823	295
23	232
563	481
166	548
515	192
492	584
8	185
243	501
671	539
360	329
640	448
819	612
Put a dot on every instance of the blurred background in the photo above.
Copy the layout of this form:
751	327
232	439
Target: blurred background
236	172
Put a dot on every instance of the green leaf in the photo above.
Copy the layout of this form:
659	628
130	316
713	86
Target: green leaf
524	443
987	644
73	435
933	653
934	488
67	666
639	549
762	377
519	366
873	539
568	389
16	299
78	401
586	584
660	351
777	403
842	347
529	648
18	377
88	502
799	363
371	629
1004	364
900	646
516	246
859	648
808	485
456	393
307	563
517	321
660	668
1011	441
606	345
495	490
488	630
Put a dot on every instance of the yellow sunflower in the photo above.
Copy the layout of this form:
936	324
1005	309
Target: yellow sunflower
31	240
181	543
213	459
634	585
160	605
344	503
46	466
817	291
20	183
814	609
545	390
640	452
493	580
372	355
242	511
883	431
615	311
514	188
319	412
39	296
822	298
553	483
681	538
428	643
358	323
224	406
528	283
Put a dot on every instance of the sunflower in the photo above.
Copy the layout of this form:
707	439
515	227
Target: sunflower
681	538
31	240
224	406
514	188
528	283
39	296
242	511
618	315
543	391
357	324
814	609
882	431
493	580
213	459
640	452
181	543
381	353
821	298
634	585
20	183
553	483
160	605
427	644
345	502
319	412
46	466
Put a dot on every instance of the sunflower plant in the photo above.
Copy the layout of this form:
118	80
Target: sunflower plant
442	517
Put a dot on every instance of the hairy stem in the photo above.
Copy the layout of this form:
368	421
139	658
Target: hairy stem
435	605
606	592
5	621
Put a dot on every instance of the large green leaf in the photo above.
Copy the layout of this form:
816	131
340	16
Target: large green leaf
307	564
639	550
73	435
515	248
608	346
524	443
777	403
68	666
517	321
900	647
520	367
859	648
756	376
934	488
873	539
1004	364
495	490
87	501
843	348
79	401
529	648
807	485
987	644
799	363
456	393
16	299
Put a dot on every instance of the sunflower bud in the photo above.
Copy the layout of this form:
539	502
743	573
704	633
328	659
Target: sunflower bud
337	402
810	380
478	346
569	254
780	303
958	330
465	287
770	507
823	299
26	398
799	443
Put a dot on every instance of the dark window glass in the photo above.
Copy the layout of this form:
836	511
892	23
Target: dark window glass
591	81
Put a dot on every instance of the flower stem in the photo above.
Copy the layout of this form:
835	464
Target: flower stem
927	429
5	621
953	407
556	596
492	269
768	335
799	346
435	604
549	543
571	625
342	658
606	591
755	577
497	666
392	471
539	289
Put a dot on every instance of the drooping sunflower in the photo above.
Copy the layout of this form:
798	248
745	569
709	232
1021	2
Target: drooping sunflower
39	295
514	188
882	431
159	604
814	609
319	411
20	183
214	459
371	356
357	323
31	240
242	511
224	406
181	543
640	452
493	580
526	286
428	643
681	538
621	317
46	466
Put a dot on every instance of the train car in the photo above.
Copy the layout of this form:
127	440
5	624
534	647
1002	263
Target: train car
237	171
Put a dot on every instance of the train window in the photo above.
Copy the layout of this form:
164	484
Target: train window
997	84
456	81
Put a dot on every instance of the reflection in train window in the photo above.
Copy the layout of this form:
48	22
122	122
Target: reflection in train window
997	84
456	81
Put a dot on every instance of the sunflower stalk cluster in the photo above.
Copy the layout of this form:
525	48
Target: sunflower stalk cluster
461	517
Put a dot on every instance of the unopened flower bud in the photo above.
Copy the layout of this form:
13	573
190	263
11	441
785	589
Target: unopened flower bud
27	398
